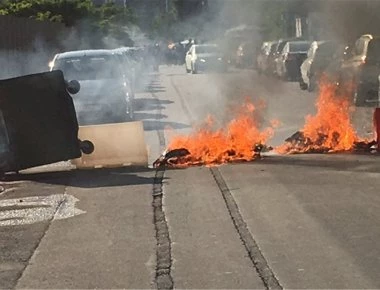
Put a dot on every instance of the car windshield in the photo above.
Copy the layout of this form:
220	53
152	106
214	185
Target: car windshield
299	46
134	55
273	48
267	49
326	49
89	68
281	46
206	49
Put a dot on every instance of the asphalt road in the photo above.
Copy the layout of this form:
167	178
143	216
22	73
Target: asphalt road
293	221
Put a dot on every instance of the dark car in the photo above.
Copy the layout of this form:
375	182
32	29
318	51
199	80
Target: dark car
105	95
326	60
360	70
288	63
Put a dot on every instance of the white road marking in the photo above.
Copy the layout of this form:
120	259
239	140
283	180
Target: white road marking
34	209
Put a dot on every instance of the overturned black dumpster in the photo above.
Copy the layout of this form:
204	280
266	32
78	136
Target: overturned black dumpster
38	123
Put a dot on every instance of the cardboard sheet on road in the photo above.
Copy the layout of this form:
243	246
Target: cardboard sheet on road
120	144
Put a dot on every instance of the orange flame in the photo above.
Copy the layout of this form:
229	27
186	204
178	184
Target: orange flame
234	143
330	130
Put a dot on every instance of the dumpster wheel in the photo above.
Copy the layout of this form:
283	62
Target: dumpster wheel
87	147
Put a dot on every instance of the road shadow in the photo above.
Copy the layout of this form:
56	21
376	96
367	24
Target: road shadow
155	88
144	116
92	178
178	74
146	104
151	125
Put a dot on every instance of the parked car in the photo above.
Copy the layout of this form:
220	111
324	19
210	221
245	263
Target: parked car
327	61
360	71
333	63
105	92
245	55
305	66
288	63
273	56
262	58
133	65
201	57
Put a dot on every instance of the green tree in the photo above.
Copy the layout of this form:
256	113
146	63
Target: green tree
89	20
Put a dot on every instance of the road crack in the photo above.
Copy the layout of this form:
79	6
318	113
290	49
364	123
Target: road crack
163	278
256	256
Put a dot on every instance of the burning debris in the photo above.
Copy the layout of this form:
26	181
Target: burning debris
172	158
182	157
366	146
330	130
299	143
241	140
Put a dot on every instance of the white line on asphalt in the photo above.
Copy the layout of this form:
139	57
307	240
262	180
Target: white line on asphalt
34	209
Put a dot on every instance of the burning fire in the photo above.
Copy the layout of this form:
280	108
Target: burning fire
330	130
241	140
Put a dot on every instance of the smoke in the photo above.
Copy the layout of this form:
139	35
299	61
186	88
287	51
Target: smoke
16	62
227	23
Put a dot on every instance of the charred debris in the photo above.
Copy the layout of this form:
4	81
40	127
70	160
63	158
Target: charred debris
181	157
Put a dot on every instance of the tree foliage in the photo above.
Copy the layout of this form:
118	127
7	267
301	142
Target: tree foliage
105	20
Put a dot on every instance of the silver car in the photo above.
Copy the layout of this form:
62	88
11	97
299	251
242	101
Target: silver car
201	57
105	93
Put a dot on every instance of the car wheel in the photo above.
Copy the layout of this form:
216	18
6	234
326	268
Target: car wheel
311	87
194	68
312	84
284	76
86	146
303	86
